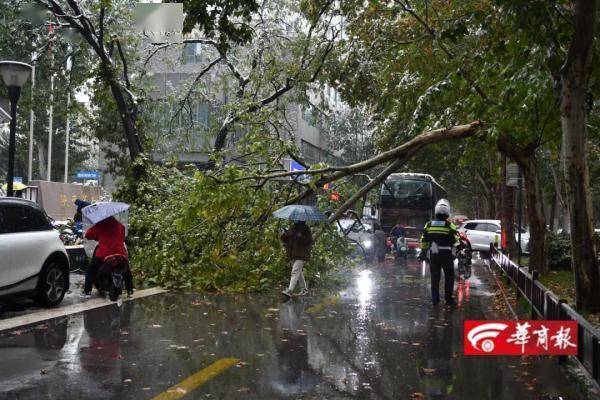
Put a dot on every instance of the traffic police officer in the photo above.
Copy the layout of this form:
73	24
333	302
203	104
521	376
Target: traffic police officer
439	240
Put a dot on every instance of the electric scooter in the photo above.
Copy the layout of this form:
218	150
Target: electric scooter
401	253
110	276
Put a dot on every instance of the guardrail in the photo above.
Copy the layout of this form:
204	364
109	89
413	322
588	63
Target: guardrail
545	304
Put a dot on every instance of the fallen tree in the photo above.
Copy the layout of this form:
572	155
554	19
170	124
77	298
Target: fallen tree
396	158
217	233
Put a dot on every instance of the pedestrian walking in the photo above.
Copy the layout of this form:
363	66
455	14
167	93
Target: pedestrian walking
438	245
298	244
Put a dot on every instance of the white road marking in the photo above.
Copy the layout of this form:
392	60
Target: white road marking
85	305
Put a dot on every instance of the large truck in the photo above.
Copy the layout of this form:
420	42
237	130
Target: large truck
408	199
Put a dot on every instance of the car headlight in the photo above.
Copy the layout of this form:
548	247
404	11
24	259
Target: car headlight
367	243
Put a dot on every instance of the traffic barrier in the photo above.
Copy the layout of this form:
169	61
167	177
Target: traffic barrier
544	303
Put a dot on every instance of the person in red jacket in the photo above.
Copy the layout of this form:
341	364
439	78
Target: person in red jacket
110	235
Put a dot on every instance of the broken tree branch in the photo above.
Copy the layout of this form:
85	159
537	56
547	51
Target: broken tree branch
415	144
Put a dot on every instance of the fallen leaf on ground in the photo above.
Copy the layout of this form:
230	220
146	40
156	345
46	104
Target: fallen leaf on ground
43	371
417	396
428	370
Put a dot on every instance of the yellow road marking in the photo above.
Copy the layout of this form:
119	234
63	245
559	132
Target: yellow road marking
320	306
198	379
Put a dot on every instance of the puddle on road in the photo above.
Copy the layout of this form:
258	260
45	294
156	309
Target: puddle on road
379	338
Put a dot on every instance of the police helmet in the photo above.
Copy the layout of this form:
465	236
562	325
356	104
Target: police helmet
442	209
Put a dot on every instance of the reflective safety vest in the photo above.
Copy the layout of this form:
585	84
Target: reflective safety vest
442	233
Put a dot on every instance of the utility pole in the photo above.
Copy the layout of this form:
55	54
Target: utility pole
50	109
69	65
31	120
50	112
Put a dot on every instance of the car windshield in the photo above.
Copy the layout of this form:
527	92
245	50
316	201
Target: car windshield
407	193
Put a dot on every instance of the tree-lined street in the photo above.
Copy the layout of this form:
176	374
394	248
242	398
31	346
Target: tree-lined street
257	199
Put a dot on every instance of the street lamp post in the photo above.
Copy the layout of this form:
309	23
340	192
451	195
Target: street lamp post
15	75
31	121
73	39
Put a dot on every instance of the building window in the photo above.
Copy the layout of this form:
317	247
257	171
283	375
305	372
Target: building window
192	53
308	115
310	152
201	114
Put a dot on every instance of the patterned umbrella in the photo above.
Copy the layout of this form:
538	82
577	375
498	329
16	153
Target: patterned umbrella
297	212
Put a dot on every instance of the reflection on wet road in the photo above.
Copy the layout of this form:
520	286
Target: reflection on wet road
378	338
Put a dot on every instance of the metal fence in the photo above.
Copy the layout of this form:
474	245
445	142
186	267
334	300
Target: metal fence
546	305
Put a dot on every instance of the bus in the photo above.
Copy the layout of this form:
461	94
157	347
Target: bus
408	199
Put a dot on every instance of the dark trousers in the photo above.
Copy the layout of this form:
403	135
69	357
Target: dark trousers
92	273
438	263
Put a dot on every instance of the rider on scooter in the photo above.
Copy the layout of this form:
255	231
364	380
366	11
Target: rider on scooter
397	232
110	235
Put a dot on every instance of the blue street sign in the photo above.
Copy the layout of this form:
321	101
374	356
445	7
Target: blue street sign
295	166
87	175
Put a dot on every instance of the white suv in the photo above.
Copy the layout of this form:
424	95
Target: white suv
33	259
483	232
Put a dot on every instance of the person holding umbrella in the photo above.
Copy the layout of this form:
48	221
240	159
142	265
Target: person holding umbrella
110	235
298	242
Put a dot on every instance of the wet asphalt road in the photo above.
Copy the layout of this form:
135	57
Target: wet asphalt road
379	338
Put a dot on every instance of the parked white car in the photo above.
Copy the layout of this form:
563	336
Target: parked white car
483	232
33	259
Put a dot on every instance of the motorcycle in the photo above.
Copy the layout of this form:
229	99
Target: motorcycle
463	257
401	253
110	276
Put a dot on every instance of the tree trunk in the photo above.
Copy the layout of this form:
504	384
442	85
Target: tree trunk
551	223
574	78
525	157
490	203
562	211
538	259
507	209
127	119
42	151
